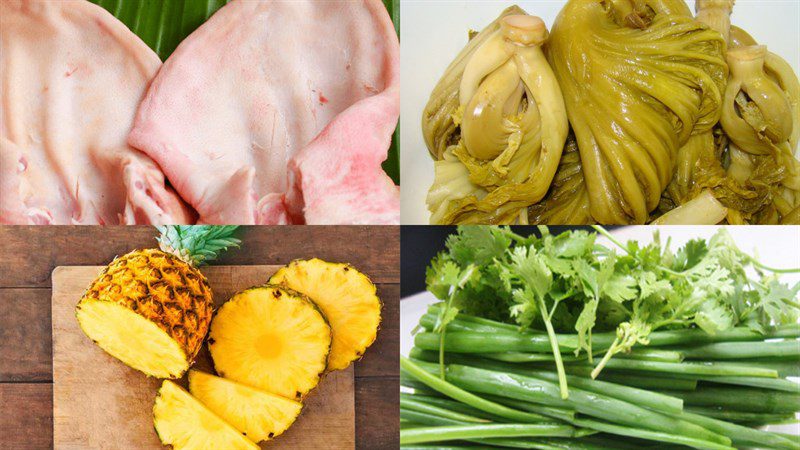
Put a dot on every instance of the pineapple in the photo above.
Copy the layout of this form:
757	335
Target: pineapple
348	299
183	423
272	339
259	415
151	308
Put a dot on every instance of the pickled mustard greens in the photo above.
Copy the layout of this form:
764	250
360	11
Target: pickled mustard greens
679	191
500	135
438	127
781	72
756	141
568	200
759	119
704	207
669	113
639	78
716	14
682	192
756	115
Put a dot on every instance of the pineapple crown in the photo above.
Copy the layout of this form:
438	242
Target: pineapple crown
196	244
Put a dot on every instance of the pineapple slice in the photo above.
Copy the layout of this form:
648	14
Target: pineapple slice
348	299
271	338
183	422
259	415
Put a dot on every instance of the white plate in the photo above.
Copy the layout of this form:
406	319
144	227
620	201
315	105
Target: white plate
432	32
776	245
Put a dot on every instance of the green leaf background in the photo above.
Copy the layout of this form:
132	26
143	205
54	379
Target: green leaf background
163	24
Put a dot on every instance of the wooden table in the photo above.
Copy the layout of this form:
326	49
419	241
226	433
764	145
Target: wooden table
29	254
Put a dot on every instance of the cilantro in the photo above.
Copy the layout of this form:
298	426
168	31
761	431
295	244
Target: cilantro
570	283
445	281
441	276
478	245
526	269
776	302
688	256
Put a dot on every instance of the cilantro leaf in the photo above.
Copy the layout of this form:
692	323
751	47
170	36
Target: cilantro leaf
572	244
441	276
777	303
650	285
714	317
478	244
525	309
531	269
690	254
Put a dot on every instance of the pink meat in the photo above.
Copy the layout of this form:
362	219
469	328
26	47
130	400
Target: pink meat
279	112
72	78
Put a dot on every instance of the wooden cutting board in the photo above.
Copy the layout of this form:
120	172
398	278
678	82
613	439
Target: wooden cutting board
100	403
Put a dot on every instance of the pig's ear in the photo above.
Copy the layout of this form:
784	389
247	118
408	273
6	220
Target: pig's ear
232	201
148	200
338	179
257	97
271	210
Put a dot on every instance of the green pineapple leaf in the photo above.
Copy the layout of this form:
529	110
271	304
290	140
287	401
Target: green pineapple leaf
197	244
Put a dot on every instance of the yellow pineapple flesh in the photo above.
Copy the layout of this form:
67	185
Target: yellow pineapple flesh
149	309
183	422
272	339
348	299
257	414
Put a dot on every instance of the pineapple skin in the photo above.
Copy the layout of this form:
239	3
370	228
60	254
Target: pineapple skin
163	289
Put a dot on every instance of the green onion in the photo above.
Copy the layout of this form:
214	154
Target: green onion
453	405
459	432
743	350
652	400
413	405
742	399
589	403
741	435
738	416
652	435
775	384
693	368
461	395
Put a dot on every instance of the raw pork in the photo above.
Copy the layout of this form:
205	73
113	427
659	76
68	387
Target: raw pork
279	112
72	77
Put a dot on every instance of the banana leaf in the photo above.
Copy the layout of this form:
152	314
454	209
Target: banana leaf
392	163
163	24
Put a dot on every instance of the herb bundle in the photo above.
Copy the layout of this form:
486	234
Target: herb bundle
623	343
